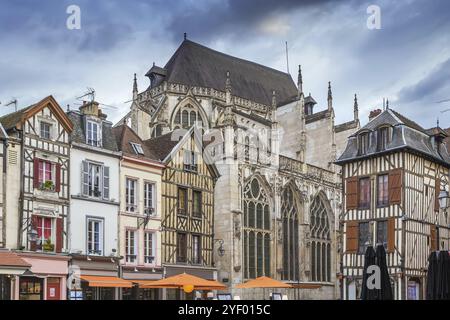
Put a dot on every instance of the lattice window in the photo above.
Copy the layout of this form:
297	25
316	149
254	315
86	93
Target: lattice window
320	241
290	218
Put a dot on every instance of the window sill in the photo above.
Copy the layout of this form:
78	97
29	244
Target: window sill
382	206
88	198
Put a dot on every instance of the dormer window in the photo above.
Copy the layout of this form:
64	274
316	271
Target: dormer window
45	130
93	134
137	148
384	138
363	143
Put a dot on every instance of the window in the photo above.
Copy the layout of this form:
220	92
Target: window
382	233
131	195
383	138
137	148
95	180
256	230
131	246
93	134
197	204
181	247
186	119
247	148
182	201
320	240
289	213
149	249
190	161
95	236
45	130
196	249
364	193
44	228
149	209
364	237
363	143
46	174
383	190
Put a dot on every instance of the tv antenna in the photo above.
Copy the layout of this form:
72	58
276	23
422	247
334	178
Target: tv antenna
13	101
442	101
89	93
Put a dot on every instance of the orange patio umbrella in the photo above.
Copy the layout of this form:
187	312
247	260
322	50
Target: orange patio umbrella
179	281
263	282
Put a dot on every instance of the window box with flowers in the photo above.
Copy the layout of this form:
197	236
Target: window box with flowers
48	185
48	246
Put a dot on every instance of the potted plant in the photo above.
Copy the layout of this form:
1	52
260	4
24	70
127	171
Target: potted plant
48	245
48	185
97	193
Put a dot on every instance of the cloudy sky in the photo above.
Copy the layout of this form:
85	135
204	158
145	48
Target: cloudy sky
406	61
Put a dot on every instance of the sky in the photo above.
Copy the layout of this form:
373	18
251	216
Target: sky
406	61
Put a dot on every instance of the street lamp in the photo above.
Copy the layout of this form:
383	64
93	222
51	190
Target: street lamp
32	235
443	205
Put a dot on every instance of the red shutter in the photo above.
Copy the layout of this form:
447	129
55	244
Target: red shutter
437	190
59	234
352	193
33	245
352	236
433	238
395	186
391	235
58	178
36	173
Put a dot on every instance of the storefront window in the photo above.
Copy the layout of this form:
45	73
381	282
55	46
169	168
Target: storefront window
5	287
148	294
31	288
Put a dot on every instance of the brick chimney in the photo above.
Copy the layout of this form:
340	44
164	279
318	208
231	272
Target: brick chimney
91	109
374	113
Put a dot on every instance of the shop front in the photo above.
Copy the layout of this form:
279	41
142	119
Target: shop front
44	280
11	265
140	275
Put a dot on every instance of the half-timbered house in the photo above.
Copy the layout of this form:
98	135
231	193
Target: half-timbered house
393	171
37	199
187	219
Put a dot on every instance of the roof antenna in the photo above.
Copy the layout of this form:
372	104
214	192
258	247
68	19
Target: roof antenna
287	58
185	36
14	102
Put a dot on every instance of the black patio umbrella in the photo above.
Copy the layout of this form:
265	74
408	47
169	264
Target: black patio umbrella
385	291
432	275
369	260
443	285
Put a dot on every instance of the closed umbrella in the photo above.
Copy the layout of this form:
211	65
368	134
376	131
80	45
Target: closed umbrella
443	267
385	291
369	260
432	274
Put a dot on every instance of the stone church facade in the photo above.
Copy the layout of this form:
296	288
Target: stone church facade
278	198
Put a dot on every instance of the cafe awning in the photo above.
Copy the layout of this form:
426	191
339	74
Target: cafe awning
106	282
12	264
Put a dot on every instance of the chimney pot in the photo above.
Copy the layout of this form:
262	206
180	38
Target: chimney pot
374	113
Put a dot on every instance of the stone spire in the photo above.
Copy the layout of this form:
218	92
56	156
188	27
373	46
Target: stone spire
387	104
229	118
273	106
300	81
330	97
228	89
135	88
355	109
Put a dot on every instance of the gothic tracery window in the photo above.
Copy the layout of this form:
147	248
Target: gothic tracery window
186	117
290	218
320	241
256	238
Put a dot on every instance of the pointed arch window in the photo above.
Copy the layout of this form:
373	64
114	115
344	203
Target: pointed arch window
320	241
186	117
290	218
256	229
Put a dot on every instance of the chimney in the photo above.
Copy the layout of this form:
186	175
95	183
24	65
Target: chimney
91	108
374	113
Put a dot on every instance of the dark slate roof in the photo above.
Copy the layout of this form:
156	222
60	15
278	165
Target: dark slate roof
124	135
162	146
79	132
407	134
346	126
196	65
10	120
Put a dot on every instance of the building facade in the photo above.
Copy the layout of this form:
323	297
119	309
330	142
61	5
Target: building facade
393	171
278	196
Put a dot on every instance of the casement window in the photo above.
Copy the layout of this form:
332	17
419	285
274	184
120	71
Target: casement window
181	247
190	161
137	148
382	233
197	204
93	133
382	190
131	195
95	180
44	228
149	200
363	140
45	130
364	237
94	236
196	249
131	246
45	171
50	233
364	193
47	175
149	247
383	138
182	201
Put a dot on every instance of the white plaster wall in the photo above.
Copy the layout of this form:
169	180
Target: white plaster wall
12	195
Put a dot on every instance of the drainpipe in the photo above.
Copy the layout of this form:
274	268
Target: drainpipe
5	171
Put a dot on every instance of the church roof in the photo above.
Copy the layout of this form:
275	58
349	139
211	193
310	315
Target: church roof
196	65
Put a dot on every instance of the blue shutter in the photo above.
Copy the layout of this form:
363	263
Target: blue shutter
105	182
85	178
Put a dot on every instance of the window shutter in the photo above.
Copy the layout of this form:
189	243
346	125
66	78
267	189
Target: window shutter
352	237
34	222
105	182
36	173
391	235
437	190
58	178
85	178
59	234
433	238
352	193
395	186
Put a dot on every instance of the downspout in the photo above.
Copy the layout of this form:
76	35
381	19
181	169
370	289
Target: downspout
5	171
